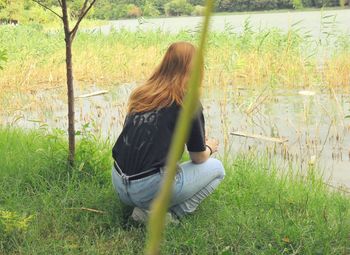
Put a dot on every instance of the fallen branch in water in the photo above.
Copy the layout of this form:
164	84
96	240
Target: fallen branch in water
261	137
97	93
340	188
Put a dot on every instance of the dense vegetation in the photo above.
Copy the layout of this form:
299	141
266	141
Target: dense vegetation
35	59
48	208
27	11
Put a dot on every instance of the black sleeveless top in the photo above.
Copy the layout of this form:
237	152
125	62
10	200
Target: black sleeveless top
146	136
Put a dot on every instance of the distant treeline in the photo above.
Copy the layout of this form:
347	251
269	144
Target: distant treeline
27	10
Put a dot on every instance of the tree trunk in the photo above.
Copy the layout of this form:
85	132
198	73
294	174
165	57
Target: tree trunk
70	88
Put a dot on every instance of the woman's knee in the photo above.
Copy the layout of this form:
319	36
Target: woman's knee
217	166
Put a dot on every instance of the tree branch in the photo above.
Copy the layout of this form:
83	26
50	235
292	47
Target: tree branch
82	14
47	8
59	2
83	8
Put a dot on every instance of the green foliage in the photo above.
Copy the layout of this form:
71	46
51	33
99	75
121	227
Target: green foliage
133	11
198	10
308	3
114	9
149	10
178	8
248	5
325	3
3	58
11	10
159	207
12	227
342	3
298	4
256	210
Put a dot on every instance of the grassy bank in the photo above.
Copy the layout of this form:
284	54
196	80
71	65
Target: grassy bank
252	58
44	207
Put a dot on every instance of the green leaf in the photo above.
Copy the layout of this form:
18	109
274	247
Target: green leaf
159	207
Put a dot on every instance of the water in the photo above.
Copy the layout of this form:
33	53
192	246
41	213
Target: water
314	23
314	125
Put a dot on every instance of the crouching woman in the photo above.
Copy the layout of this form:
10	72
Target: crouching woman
141	149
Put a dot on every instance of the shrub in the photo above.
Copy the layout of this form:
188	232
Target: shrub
119	11
133	11
3	58
308	3
297	4
150	10
38	15
324	3
198	10
234	5
12	226
178	7
255	5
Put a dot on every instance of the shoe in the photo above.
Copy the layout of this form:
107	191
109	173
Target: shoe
171	218
141	216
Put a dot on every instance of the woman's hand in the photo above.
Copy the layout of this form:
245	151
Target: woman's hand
213	144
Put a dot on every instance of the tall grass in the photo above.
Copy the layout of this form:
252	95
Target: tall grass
251	58
256	210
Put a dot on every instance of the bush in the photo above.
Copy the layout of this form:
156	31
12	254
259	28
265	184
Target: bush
256	5
297	4
133	11
178	7
198	10
3	58
150	10
326	3
308	3
234	5
37	14
12	227
119	11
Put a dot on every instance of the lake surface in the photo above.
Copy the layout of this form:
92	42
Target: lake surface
313	123
316	23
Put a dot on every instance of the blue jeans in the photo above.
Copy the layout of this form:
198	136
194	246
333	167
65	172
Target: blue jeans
193	183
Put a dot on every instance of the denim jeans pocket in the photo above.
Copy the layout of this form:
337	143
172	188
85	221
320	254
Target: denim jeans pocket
143	191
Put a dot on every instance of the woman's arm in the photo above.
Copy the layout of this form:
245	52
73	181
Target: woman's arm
202	156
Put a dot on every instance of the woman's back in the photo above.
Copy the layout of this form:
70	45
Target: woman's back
145	140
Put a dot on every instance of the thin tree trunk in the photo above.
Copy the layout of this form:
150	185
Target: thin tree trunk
70	88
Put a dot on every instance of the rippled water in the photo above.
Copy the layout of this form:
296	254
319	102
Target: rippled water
313	122
315	23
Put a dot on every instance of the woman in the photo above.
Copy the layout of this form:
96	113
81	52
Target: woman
141	149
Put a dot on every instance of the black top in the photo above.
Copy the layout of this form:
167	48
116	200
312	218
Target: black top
146	136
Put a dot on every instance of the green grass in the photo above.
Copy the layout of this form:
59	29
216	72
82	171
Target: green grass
256	210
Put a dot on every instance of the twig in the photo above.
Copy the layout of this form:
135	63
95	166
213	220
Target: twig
93	94
256	102
340	110
325	140
342	189
86	209
261	137
82	14
47	8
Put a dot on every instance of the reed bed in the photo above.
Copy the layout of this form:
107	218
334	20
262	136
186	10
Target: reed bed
249	59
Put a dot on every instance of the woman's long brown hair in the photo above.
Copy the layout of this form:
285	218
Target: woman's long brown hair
168	82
